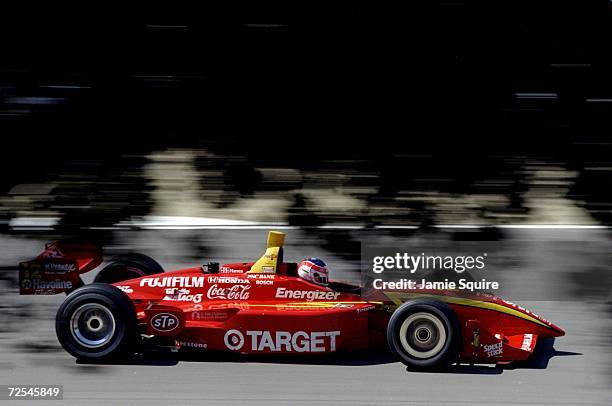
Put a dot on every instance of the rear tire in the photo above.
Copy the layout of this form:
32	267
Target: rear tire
424	334
128	266
96	322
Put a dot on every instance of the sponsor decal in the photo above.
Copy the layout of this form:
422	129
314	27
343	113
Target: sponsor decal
233	340
210	315
225	269
236	292
262	279
365	309
309	295
227	279
125	289
305	306
493	349
34	280
190	344
174	282
527	311
37	284
230	305
267	269
299	341
59	268
164	322
527	341
343	305
182	295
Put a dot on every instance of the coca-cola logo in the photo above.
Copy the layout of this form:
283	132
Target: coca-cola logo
236	292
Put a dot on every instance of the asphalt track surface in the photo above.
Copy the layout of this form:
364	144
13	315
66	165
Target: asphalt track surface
573	370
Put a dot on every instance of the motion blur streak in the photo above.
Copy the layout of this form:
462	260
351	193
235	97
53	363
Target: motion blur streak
182	130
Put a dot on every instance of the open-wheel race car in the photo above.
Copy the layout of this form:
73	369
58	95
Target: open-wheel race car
264	307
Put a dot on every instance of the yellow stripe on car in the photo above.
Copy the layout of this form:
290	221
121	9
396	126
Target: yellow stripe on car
398	298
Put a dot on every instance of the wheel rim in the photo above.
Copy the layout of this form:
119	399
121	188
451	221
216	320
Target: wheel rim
422	335
92	325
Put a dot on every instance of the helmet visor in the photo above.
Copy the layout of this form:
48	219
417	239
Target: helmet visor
320	278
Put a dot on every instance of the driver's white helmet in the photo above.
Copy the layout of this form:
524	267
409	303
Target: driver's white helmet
313	270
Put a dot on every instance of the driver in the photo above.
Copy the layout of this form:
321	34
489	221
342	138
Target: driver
313	270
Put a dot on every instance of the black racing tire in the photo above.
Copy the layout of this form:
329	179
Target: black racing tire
424	334
128	266
96	322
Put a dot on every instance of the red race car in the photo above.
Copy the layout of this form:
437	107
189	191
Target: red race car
264	307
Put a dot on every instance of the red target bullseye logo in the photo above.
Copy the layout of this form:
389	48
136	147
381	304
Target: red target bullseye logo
233	340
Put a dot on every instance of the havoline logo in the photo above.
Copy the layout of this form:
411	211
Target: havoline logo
45	284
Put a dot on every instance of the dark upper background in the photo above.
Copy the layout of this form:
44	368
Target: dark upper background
403	98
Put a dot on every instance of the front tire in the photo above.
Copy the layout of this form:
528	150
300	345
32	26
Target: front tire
96	322
424	334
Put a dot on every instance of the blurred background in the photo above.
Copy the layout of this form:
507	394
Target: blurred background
309	113
185	129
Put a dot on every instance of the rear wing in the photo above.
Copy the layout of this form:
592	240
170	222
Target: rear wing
58	268
268	263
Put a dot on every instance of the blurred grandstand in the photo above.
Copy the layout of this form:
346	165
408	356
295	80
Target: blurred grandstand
306	113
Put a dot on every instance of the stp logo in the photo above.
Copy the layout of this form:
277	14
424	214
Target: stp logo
164	322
